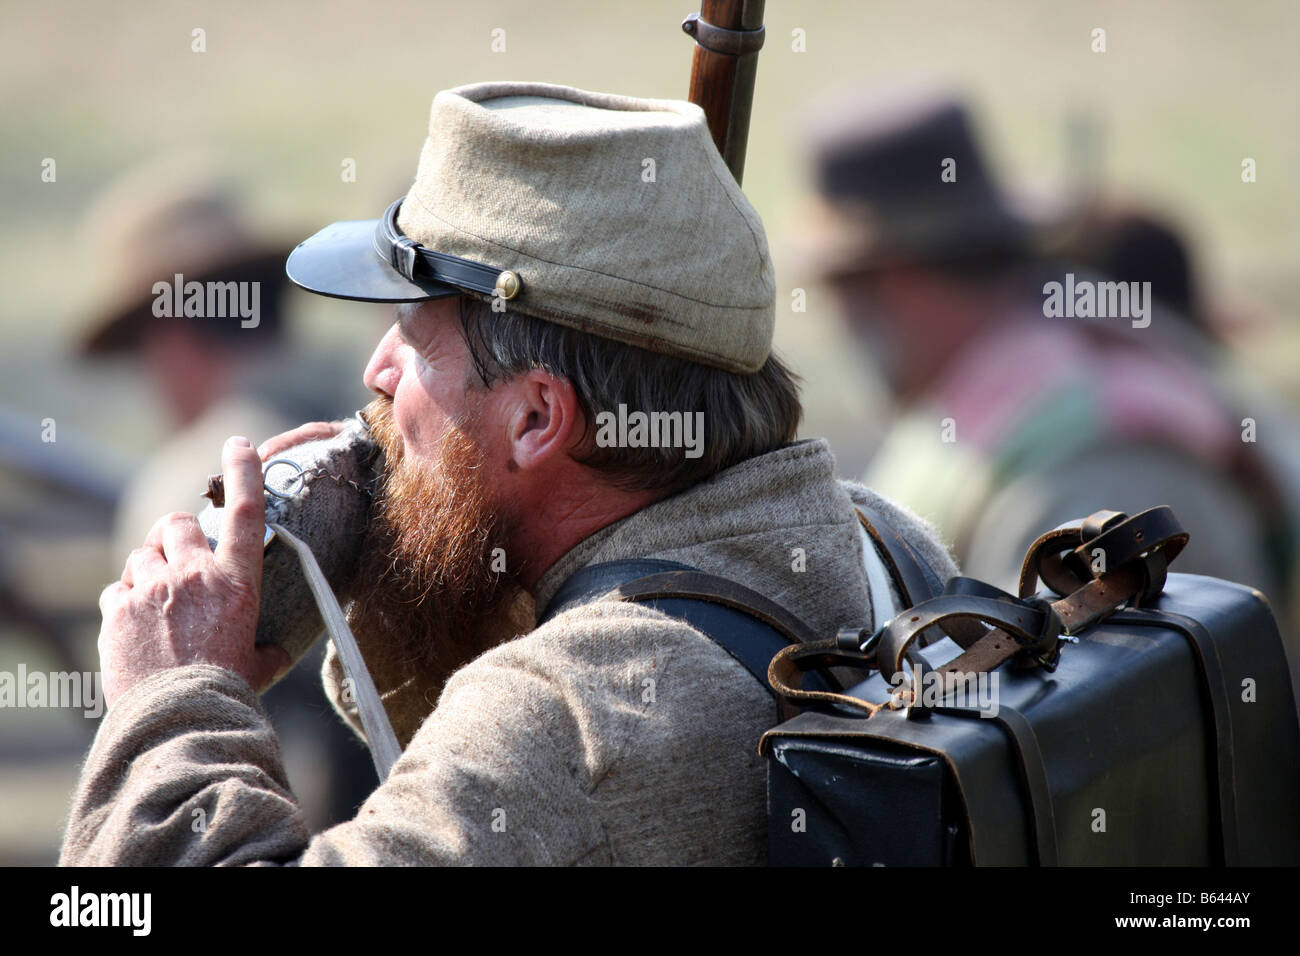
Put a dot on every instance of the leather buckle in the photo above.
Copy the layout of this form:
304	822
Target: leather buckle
915	708
404	257
1044	650
852	639
1155	571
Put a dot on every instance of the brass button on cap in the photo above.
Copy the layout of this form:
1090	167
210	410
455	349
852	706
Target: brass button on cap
508	285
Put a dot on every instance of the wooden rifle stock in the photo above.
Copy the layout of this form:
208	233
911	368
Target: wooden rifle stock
728	35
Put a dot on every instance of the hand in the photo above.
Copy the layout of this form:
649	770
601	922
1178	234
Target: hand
297	436
180	603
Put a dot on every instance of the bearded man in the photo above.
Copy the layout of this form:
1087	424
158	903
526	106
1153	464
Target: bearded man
542	280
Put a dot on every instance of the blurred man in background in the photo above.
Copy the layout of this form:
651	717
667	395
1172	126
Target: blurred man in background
1127	241
174	222
163	226
1013	418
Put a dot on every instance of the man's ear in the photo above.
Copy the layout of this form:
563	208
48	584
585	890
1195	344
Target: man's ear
545	418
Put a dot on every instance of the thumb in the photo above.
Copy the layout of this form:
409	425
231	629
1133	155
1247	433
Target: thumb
243	527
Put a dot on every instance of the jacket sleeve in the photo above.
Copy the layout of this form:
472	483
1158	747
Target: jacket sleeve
186	770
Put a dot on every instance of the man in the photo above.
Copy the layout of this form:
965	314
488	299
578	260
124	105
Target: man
1014	416
547	284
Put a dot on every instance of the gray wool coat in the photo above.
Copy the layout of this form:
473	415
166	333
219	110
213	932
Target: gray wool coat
612	734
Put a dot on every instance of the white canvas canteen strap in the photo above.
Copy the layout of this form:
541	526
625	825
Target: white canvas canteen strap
384	749
882	598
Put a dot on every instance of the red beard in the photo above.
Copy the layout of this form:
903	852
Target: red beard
429	600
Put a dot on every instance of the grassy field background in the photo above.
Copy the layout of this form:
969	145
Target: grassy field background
285	91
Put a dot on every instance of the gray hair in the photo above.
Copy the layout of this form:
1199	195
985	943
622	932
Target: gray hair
745	415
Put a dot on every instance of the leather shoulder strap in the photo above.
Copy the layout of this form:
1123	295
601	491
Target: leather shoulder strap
745	624
700	586
587	584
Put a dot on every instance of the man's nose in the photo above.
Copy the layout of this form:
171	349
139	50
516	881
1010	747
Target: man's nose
382	372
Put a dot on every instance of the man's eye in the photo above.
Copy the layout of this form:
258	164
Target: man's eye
421	348
411	337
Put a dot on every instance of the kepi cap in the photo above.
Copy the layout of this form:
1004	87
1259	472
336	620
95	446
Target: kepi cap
609	214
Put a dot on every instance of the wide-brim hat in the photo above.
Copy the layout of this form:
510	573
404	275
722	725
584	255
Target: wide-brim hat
900	178
609	214
178	215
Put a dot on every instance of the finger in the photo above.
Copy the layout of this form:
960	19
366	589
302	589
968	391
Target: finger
141	564
158	532
126	577
129	568
239	552
182	538
311	431
154	539
109	597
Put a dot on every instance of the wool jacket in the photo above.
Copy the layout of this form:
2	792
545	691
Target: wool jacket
611	734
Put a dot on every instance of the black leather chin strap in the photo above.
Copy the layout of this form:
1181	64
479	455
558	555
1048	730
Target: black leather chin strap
413	260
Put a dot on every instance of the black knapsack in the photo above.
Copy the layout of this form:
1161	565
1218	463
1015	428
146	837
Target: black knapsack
1162	733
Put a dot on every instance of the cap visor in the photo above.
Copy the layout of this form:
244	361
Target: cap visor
341	261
